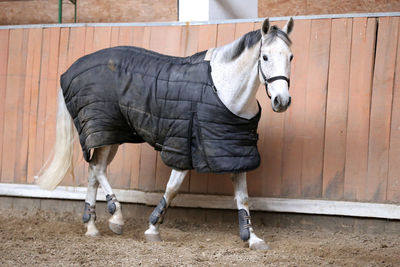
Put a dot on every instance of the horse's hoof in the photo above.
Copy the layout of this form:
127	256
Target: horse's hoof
92	233
116	228
153	237
260	245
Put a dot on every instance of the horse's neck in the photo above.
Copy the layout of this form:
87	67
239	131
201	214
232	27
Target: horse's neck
237	81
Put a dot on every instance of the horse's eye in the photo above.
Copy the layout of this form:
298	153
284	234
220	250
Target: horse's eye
265	58
291	57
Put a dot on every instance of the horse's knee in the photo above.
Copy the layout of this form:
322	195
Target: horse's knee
157	216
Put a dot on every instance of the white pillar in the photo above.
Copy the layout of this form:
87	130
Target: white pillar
208	10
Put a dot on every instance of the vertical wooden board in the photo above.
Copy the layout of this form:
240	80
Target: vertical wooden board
141	37
33	106
89	39
336	113
222	183
114	40
362	58
381	106
125	36
101	38
32	72
191	43
393	184
207	38
165	40
52	90
292	155
21	133
13	97
314	122
4	40
41	102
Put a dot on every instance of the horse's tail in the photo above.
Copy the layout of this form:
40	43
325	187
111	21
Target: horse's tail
61	161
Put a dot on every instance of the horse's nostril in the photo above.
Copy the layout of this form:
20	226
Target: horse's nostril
277	101
290	101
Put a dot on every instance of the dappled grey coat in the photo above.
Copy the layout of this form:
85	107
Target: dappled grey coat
129	94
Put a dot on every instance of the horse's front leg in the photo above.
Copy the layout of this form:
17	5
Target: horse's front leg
157	216
102	157
242	201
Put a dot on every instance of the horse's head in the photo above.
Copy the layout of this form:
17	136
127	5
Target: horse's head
274	63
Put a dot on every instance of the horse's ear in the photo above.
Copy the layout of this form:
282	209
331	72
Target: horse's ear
265	27
289	26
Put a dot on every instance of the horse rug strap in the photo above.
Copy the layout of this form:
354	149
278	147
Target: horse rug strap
132	95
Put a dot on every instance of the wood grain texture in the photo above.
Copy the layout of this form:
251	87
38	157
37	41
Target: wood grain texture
361	71
314	122
13	107
339	140
32	73
336	113
393	184
4	42
381	108
292	154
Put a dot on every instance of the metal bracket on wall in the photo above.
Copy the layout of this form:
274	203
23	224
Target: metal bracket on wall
60	10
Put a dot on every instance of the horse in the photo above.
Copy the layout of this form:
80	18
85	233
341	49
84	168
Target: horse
179	105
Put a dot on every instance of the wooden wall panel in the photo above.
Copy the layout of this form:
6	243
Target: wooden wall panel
393	185
13	106
314	122
4	41
336	113
33	108
339	140
29	108
292	154
381	107
361	71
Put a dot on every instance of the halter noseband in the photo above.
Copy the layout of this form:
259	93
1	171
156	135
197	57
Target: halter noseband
272	79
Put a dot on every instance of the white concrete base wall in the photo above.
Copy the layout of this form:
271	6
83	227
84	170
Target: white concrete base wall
306	206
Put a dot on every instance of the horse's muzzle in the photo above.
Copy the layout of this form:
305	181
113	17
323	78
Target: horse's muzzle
280	104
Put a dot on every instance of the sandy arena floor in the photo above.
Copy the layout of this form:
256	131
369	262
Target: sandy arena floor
46	239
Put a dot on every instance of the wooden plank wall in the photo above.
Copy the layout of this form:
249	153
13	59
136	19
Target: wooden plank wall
340	139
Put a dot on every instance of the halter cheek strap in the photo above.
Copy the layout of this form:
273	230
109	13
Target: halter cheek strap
272	79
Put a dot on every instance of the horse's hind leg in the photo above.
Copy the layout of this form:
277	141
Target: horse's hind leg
157	216
89	214
242	199
102	157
